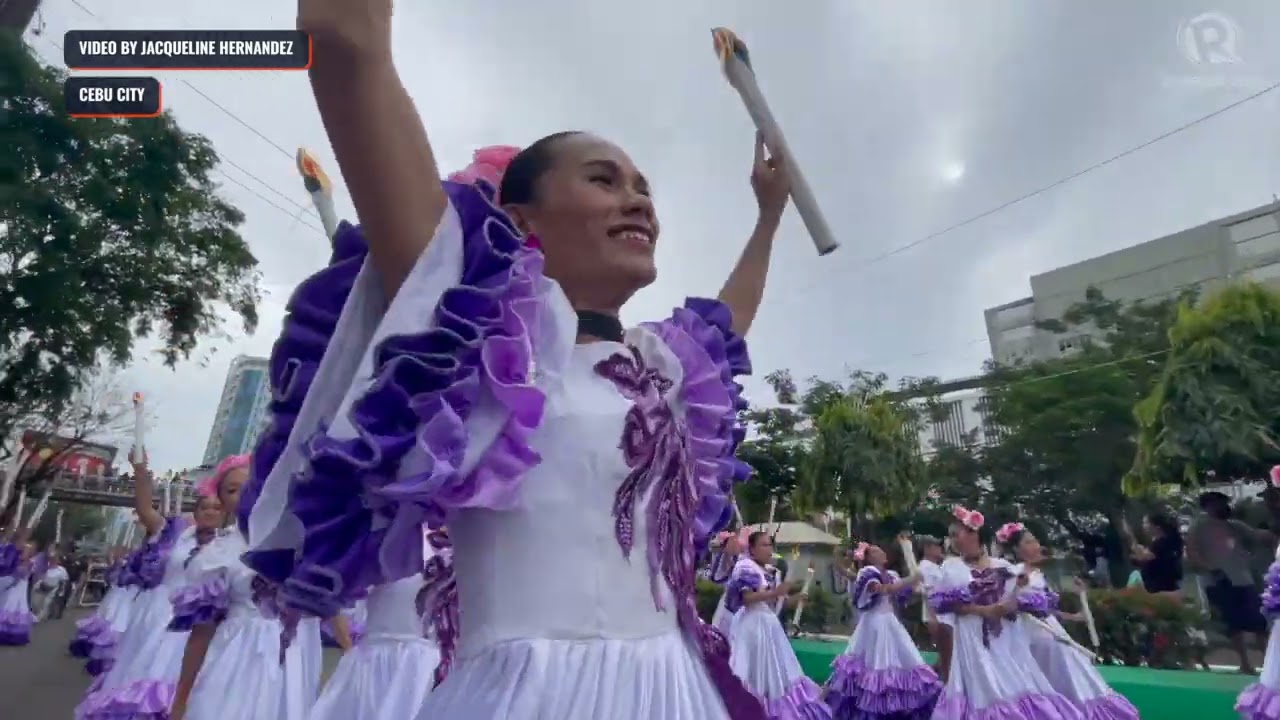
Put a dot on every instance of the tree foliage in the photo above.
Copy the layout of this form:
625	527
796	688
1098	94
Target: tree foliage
110	230
1216	405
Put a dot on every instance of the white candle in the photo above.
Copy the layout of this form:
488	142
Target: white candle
808	580
168	498
139	454
848	525
57	527
773	508
11	477
737	514
1088	618
736	63
40	508
17	515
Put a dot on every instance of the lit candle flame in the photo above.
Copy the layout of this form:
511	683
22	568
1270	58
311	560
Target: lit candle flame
313	176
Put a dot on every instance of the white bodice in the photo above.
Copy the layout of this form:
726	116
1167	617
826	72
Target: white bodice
392	609
175	566
552	568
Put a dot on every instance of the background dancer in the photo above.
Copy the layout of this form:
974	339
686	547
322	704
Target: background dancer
127	689
17	562
761	653
931	558
1261	700
970	596
234	664
539	351
113	604
387	675
1069	671
46	587
881	675
721	568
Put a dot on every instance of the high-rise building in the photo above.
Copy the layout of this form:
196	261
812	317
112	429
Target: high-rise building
1245	246
242	411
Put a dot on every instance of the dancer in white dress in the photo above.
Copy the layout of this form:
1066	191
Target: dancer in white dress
761	653
387	675
881	675
17	563
931	559
235	665
988	679
140	683
452	380
1069	671
102	629
1261	700
46	587
720	568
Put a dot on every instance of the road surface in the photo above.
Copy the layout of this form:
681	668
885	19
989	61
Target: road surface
43	682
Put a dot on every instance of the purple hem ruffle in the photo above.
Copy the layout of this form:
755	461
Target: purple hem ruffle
952	706
87	632
1259	702
15	627
10	559
200	603
858	692
139	700
802	701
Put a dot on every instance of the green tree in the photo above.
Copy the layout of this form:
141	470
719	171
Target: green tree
774	452
110	230
1216	406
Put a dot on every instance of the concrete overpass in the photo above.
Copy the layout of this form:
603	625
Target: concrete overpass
115	491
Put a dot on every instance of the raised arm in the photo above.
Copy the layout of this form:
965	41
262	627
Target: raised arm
376	133
144	498
744	289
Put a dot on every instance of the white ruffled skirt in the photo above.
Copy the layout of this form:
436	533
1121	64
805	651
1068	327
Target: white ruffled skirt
1072	674
762	657
655	678
242	677
385	677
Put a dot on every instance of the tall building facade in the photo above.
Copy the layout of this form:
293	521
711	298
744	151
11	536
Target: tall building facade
961	419
242	410
1245	246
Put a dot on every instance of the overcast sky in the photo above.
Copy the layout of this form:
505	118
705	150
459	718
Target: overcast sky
907	117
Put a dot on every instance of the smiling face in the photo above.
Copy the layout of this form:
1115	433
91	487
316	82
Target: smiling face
1028	548
592	212
762	548
209	515
875	556
964	540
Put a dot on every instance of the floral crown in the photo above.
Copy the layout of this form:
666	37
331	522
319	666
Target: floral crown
971	519
1008	530
860	551
1275	476
489	164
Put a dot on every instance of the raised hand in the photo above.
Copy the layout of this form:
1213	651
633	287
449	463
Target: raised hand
356	27
770	181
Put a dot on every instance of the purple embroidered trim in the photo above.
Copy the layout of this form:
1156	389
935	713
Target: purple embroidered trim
437	601
1271	592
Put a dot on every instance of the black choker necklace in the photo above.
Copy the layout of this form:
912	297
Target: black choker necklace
599	325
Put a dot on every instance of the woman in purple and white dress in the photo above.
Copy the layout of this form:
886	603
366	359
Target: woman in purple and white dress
761	653
139	682
1261	700
387	675
236	662
720	568
97	635
881	675
18	562
1068	671
461	362
988	677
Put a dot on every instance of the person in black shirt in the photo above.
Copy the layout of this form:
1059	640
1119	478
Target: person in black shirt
1160	560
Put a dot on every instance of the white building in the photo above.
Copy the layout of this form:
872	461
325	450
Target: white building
961	418
242	410
1242	246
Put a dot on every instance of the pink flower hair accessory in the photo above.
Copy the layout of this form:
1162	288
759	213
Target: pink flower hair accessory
1275	476
1008	530
209	486
971	519
488	164
860	552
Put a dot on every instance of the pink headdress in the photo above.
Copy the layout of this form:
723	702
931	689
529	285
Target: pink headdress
488	164
209	486
1007	531
1275	476
971	519
860	552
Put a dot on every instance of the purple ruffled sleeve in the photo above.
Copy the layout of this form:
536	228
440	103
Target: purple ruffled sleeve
720	568
863	586
742	580
10	559
1035	603
154	556
946	601
1271	592
309	324
203	602
700	335
359	505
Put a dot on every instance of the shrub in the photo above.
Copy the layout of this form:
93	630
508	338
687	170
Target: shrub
1135	626
708	597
